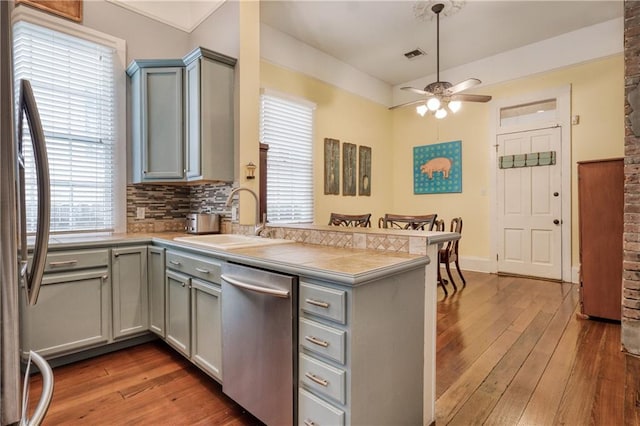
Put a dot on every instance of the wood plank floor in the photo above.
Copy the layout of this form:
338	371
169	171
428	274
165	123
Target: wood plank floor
510	351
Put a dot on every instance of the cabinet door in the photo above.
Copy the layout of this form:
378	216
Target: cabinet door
192	105
177	312
130	296
155	274
215	119
161	121
72	313
206	327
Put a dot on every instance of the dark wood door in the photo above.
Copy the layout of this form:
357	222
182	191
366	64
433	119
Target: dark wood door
601	210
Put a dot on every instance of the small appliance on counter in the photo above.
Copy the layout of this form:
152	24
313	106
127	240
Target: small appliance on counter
203	223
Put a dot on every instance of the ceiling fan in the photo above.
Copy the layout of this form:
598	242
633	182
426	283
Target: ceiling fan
442	95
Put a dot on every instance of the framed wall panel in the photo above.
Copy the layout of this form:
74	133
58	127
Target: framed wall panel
364	170
349	169
331	166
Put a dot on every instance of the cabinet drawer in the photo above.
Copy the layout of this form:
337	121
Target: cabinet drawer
325	302
323	340
312	411
200	267
76	259
323	378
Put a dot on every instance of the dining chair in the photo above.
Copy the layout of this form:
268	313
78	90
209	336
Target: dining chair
360	220
438	225
449	254
398	221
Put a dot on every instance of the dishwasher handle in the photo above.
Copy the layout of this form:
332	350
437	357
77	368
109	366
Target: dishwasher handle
284	294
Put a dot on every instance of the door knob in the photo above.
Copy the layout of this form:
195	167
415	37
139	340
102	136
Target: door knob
555	194
556	222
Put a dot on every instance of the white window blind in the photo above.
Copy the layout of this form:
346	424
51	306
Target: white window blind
74	85
287	127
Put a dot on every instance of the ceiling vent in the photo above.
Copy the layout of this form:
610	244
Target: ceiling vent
414	53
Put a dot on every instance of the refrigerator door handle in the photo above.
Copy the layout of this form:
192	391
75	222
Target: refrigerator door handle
33	278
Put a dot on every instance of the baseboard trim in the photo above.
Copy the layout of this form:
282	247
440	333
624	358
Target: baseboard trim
477	264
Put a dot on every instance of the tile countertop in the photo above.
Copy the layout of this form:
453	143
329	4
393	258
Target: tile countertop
341	265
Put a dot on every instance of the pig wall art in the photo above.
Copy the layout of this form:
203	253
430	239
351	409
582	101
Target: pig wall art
437	168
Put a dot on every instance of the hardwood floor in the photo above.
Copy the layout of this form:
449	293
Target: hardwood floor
510	351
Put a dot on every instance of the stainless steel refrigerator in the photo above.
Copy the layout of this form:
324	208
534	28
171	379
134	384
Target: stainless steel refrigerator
19	280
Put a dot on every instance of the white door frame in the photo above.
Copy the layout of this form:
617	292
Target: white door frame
563	119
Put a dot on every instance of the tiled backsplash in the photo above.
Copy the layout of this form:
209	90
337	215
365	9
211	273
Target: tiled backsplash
342	237
166	206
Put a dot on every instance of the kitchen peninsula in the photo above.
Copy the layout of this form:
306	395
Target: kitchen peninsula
366	371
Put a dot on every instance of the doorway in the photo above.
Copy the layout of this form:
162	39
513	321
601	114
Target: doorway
530	203
527	128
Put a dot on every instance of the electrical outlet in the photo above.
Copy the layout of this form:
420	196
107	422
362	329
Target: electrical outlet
140	213
234	213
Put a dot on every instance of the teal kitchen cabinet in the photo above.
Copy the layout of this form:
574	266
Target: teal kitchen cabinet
130	291
209	115
155	276
182	118
157	115
193	310
73	309
206	327
177	312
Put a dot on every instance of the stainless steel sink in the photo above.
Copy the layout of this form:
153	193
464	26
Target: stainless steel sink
230	241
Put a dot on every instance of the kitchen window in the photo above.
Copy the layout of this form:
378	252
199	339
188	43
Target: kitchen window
286	125
76	75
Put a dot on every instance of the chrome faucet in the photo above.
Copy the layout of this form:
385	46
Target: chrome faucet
260	224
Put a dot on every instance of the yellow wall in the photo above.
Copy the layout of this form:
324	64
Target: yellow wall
597	92
349	118
248	104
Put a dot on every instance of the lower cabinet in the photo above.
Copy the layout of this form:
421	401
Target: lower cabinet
193	311
73	308
130	294
177	312
155	277
361	351
206	327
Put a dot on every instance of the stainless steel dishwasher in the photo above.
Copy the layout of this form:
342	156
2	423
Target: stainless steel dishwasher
259	341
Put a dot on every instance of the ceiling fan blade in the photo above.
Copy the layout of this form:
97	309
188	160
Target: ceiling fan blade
414	90
407	104
463	85
471	98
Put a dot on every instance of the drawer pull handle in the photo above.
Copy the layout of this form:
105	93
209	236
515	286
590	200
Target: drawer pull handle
175	262
308	422
317	303
318	380
63	263
204	271
317	341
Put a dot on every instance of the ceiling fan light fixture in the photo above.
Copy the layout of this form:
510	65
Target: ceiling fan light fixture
441	113
454	106
422	110
433	104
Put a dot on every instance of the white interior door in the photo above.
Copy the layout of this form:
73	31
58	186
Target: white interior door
530	207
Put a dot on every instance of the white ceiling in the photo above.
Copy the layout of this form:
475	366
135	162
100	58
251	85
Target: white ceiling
373	35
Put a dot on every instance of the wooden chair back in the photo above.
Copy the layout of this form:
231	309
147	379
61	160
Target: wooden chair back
438	225
361	220
449	254
397	221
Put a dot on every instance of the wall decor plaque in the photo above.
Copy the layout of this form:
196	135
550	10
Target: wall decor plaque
364	170
331	166
437	168
349	169
70	9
